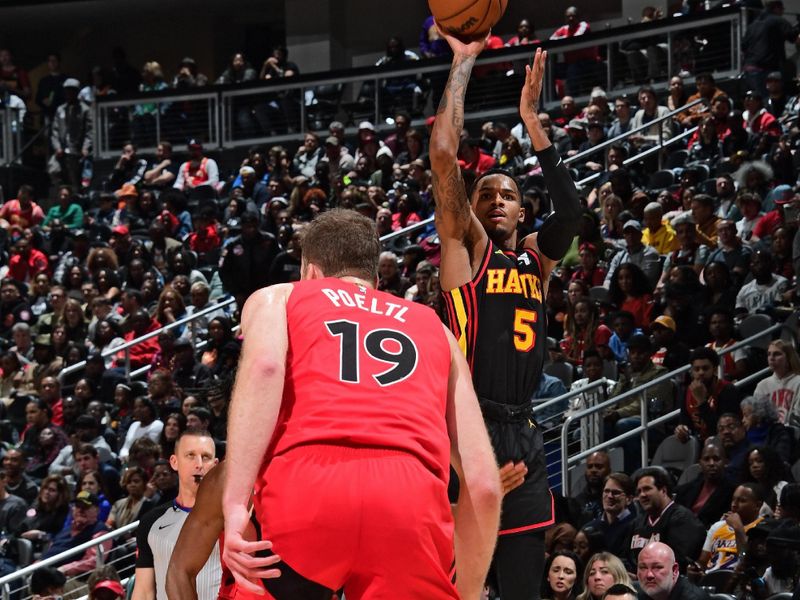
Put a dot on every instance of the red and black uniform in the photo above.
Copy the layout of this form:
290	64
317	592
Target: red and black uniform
354	489
500	323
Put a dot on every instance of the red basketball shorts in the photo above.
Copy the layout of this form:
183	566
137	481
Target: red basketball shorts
374	522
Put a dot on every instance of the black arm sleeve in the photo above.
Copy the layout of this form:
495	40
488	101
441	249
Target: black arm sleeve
556	234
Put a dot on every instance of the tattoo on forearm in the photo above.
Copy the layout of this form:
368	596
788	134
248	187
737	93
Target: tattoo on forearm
456	89
450	195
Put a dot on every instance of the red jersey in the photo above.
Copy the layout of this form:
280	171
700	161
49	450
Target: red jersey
364	369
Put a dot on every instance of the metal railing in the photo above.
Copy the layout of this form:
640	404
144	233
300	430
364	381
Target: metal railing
128	345
234	116
10	134
15	583
646	422
657	122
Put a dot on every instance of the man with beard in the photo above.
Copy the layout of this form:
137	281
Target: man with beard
246	259
198	171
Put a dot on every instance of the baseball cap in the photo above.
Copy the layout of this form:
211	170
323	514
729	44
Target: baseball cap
577	124
639	341
366	125
332	140
385	151
127	189
247	170
587	246
685	218
602	335
665	321
120	230
280	200
71	83
43	339
632	224
110	585
194	143
774	76
86	499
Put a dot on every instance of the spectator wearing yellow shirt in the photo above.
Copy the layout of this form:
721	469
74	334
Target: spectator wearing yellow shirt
658	233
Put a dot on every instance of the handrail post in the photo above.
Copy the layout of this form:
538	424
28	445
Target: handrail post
302	111
99	559
158	122
565	456
609	65
645	437
377	94
6	591
128	364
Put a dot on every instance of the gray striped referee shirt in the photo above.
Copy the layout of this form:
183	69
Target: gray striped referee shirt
156	537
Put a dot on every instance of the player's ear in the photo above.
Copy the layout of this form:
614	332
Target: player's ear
173	462
521	214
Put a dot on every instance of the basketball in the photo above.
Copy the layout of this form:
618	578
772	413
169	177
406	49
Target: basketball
467	19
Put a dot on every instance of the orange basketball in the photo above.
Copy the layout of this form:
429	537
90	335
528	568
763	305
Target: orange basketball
467	19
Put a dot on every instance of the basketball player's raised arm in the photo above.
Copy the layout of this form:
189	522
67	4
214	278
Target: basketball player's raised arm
252	416
477	511
459	230
555	236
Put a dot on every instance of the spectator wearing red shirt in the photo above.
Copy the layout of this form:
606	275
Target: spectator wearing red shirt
26	262
631	291
406	211
22	212
579	63
756	118
588	270
142	353
205	237
470	156
774	219
50	392
525	35
13	78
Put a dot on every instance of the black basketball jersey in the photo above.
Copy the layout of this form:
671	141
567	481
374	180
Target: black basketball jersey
499	321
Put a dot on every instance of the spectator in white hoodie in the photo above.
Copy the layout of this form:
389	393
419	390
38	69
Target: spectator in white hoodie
783	386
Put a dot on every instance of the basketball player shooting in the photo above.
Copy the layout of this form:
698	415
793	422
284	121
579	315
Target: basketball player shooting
494	286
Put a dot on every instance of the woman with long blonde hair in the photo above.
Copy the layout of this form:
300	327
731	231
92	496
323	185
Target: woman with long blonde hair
603	570
783	386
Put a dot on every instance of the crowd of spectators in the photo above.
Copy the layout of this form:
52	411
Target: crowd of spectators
666	270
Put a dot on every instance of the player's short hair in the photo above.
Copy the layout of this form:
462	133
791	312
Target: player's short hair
342	242
495	171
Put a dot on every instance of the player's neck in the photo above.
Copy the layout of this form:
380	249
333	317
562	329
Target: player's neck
186	498
508	244
358	281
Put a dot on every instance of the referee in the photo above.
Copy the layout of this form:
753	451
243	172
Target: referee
159	529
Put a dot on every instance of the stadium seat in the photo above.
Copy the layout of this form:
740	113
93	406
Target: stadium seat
708	186
717	579
676	159
600	295
564	371
781	596
721	597
789	329
796	471
689	474
324	105
754	324
24	552
676	456
661	180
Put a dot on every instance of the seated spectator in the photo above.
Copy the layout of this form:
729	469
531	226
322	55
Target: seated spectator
589	270
709	495
403	91
650	110
721	550
631	291
12	509
41	441
186	373
561	576
658	572
22	212
657	233
618	513
750	207
47	582
46	517
782	548
581	324
707	397
85	526
766	290
732	365
707	90
17	482
199	171
391	280
626	415
104	583
126	510
92	482
26	262
706	146
731	252
662	519
706	220
690	251
589	500
66	211
174	426
470	156
145	423
670	352
129	168
161	172
644	257
765	467
764	428
782	387
733	435
624	326
603	571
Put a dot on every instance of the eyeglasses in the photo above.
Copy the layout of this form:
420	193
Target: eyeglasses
613	493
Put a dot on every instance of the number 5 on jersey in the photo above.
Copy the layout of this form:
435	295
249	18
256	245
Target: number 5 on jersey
404	359
524	335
